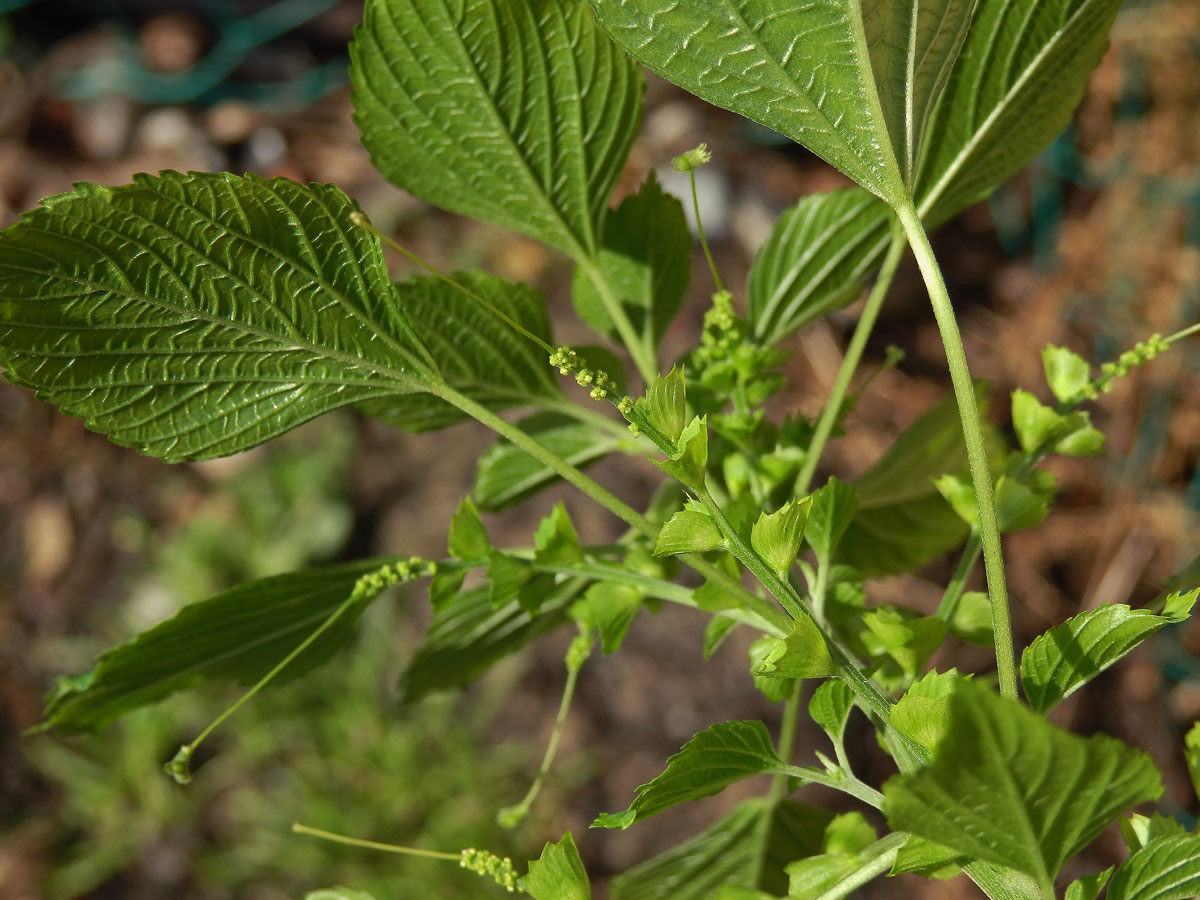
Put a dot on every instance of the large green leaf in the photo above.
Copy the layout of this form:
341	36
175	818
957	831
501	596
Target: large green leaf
1071	654
815	260
1167	868
239	634
476	352
902	521
518	112
646	259
707	764
468	635
801	69
913	47
1007	787
507	474
1019	77
193	316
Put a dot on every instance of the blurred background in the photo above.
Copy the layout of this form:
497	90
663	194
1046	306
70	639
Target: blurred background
1096	247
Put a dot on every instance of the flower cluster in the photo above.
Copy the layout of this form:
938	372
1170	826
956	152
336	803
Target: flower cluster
1139	354
395	573
567	361
692	160
489	865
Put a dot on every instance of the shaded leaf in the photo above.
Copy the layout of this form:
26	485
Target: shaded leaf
830	707
688	531
1007	787
1067	373
556	543
520	114
608	608
1089	886
921	713
237	635
468	538
558	874
1165	869
801	654
508	475
160	314
829	516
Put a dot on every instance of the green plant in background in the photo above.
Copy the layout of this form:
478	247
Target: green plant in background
193	316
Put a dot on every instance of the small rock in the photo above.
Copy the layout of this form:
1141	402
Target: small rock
231	122
49	540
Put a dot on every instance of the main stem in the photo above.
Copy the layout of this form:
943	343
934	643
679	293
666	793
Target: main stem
968	411
854	352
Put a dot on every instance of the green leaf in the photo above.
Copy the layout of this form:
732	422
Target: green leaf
1165	869
608	608
468	538
927	859
1191	756
829	516
815	260
902	521
972	621
664	406
774	688
850	845
906	637
830	707
468	635
707	764
688	531
1067	373
194	316
556	543
646	259
507	577
507	474
1071	654
921	713
1089	886
1034	423
777	537
715	632
475	352
913	46
1020	75
1139	830
558	873
801	70
725	855
1021	501
689	464
801	654
517	113
1007	787
237	635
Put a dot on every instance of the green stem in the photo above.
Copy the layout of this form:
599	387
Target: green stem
854	352
700	231
846	783
641	353
783	749
880	857
954	590
297	828
981	476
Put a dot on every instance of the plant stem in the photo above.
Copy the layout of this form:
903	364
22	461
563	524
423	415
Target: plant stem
954	590
297	828
641	353
854	352
981	476
712	265
783	749
847	784
880	855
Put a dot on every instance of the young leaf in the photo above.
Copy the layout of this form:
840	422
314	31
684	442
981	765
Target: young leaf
777	537
921	713
906	637
1020	75
608	608
556	543
706	765
159	314
1139	830
520	114
901	520
474	351
802	654
558	873
507	474
774	688
815	260
725	854
830	707
689	464
1067	373
829	516
1007	787
927	859
507	578
468	635
468	538
664	405
239	635
1071	654
972	622
1034	423
1165	869
850	850
913	47
801	70
688	531
645	258
1089	886
1191	755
